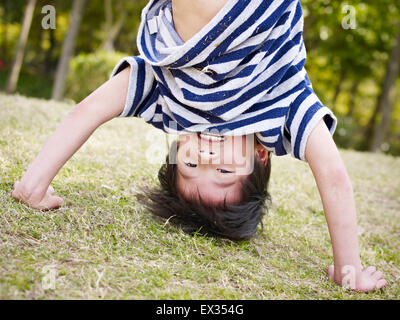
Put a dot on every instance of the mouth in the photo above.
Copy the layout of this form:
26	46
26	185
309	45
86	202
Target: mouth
211	137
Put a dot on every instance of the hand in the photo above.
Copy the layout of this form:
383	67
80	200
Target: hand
46	202
369	279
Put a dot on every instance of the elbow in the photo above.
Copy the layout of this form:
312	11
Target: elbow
338	177
85	111
81	108
78	110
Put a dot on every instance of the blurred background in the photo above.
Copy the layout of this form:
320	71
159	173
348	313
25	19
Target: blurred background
65	49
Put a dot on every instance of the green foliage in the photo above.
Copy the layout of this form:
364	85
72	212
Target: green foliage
29	84
88	71
348	133
347	66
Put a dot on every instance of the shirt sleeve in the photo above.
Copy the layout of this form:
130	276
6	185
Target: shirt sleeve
304	114
141	84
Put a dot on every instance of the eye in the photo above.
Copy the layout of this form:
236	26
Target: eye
191	165
223	171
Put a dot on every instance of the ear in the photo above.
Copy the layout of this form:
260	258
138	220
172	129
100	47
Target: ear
262	153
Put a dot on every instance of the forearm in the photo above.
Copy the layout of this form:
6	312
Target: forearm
104	104
340	211
337	198
72	133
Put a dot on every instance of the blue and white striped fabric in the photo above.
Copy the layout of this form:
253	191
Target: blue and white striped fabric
243	73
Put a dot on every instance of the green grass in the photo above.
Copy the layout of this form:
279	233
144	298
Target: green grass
102	244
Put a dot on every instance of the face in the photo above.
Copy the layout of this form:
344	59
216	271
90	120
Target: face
213	167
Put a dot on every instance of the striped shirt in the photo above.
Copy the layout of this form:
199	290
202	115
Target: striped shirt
242	73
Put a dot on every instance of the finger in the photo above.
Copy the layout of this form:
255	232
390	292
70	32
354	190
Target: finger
13	193
52	202
377	275
370	270
55	202
331	272
381	283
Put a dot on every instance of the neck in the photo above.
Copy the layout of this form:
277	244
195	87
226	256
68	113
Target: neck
190	16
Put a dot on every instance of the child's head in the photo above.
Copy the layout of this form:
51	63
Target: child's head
214	184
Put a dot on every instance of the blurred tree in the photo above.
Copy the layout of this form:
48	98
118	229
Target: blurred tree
112	29
68	48
20	51
4	31
348	50
385	101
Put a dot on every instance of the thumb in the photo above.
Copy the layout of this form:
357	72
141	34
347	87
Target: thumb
51	202
56	202
15	185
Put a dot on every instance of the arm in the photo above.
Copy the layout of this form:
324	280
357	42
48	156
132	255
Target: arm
340	211
104	104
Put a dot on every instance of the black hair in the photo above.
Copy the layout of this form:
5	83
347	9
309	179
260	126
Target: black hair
235	222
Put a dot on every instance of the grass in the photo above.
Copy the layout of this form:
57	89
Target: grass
103	245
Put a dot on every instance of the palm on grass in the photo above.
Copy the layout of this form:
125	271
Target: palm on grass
47	202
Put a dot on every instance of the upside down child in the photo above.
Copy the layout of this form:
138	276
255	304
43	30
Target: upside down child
228	78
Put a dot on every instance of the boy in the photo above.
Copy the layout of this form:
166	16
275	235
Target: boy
233	68
213	185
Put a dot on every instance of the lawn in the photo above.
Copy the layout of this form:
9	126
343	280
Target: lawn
103	245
